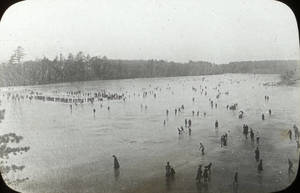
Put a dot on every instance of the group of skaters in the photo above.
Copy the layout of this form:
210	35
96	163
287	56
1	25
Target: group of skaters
205	174
246	132
187	124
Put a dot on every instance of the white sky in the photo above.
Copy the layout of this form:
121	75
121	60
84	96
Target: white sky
217	31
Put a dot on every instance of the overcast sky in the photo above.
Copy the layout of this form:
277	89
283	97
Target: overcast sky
217	31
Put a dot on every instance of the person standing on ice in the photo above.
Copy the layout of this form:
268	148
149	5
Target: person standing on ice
216	124
199	174
296	130
168	169
290	167
257	154
235	180
116	162
290	134
262	117
202	148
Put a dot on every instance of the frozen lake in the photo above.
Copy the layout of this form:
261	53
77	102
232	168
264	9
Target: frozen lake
72	151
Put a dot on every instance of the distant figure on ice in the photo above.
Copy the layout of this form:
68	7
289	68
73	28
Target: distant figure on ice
208	167
270	112
262	116
190	131
167	112
164	122
256	154
251	134
290	134
199	174
190	122
116	162
235	179
257	138
202	148
205	175
216	124
172	174
168	169
260	166
185	122
296	130
290	167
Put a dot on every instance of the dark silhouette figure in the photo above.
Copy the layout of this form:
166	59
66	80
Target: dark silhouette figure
235	180
116	162
290	167
199	174
168	169
257	154
216	124
290	134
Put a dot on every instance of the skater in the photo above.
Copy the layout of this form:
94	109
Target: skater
190	131
164	122
296	130
179	131
257	154
185	122
257	138
205	175
290	134
199	174
168	169
225	139
116	162
235	181
222	140
208	167
172	172
202	148
270	112
290	167
262	117
190	122
216	124
251	134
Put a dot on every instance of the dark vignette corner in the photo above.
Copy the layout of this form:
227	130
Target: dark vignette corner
292	4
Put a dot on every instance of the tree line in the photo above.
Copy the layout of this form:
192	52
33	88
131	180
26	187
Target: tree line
83	67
